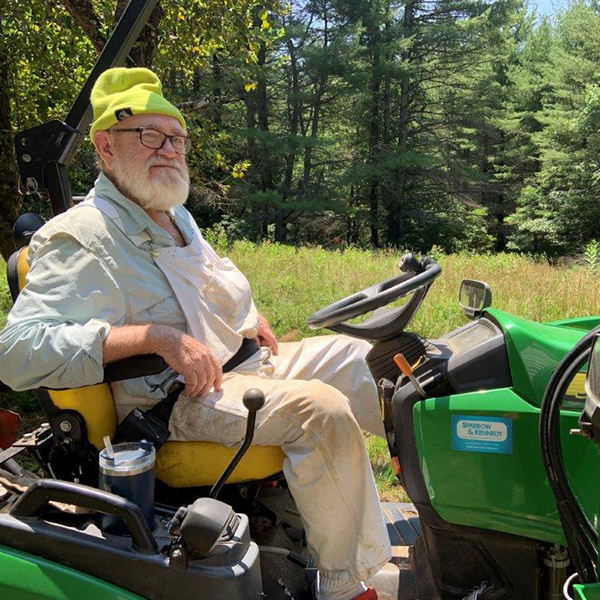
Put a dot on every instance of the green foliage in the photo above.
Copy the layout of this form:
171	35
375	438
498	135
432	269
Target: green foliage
558	211
350	124
330	156
537	228
50	58
192	32
5	297
217	237
591	255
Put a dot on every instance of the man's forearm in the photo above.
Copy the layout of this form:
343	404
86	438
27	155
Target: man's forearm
133	340
196	362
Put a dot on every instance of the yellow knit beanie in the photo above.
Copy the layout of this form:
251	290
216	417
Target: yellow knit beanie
120	93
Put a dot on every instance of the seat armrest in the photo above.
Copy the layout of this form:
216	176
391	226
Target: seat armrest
136	366
128	368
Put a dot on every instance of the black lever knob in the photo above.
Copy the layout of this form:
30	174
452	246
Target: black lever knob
254	399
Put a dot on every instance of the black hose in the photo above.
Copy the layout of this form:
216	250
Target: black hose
579	532
582	538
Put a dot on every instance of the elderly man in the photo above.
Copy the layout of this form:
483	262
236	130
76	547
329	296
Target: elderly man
127	272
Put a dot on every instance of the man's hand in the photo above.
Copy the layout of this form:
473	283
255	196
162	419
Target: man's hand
265	336
195	361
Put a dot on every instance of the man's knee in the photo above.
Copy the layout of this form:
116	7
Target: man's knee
324	406
357	345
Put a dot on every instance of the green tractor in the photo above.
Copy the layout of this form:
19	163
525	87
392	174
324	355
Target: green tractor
489	430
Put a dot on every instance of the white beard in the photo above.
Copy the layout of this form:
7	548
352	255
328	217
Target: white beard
152	187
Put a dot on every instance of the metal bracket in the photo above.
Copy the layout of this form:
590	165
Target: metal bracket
37	146
29	441
9	453
36	438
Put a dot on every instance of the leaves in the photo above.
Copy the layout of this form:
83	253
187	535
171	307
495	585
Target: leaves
456	124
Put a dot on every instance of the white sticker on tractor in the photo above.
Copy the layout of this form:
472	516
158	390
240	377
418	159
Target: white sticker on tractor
482	434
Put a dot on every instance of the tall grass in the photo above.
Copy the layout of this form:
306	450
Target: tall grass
291	283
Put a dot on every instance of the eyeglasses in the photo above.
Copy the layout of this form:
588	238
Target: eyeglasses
152	138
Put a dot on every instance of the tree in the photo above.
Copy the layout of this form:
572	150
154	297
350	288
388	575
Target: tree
40	67
558	210
48	48
426	115
9	204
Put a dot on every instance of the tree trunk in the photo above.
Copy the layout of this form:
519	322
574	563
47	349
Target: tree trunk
85	16
352	224
317	105
314	132
387	179
374	89
398	201
250	101
143	52
217	92
262	114
290	157
257	117
9	197
280	227
294	113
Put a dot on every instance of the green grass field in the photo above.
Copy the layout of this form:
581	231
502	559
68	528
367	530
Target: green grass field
290	283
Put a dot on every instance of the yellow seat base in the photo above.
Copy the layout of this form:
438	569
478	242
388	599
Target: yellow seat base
191	464
178	464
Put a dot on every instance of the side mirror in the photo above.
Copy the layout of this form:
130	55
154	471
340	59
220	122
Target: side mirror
474	297
592	386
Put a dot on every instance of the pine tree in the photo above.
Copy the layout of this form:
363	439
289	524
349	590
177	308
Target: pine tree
558	211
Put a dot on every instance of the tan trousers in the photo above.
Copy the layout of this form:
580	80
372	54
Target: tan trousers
319	393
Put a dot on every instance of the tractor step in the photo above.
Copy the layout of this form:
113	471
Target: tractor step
397	580
402	521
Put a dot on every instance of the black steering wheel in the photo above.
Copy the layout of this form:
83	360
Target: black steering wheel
417	276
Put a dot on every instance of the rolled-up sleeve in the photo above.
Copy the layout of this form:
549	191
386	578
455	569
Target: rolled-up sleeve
54	333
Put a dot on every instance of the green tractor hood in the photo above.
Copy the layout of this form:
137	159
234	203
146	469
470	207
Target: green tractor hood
534	349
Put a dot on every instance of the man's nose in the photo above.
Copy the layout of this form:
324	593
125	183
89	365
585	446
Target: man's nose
167	150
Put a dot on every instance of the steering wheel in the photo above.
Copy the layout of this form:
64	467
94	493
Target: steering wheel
417	276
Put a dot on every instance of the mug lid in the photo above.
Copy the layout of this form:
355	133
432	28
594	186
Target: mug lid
131	456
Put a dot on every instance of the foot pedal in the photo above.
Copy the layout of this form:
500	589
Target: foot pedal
485	586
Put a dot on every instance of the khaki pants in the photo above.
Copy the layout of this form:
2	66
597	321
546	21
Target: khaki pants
319	393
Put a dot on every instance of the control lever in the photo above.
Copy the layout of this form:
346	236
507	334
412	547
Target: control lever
253	400
406	369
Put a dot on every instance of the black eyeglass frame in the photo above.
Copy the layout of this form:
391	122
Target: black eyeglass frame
187	145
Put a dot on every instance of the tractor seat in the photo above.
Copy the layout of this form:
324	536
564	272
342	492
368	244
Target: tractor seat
178	464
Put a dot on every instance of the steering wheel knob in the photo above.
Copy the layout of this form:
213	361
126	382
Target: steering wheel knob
410	264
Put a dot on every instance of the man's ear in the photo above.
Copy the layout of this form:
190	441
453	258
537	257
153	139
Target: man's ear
103	144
